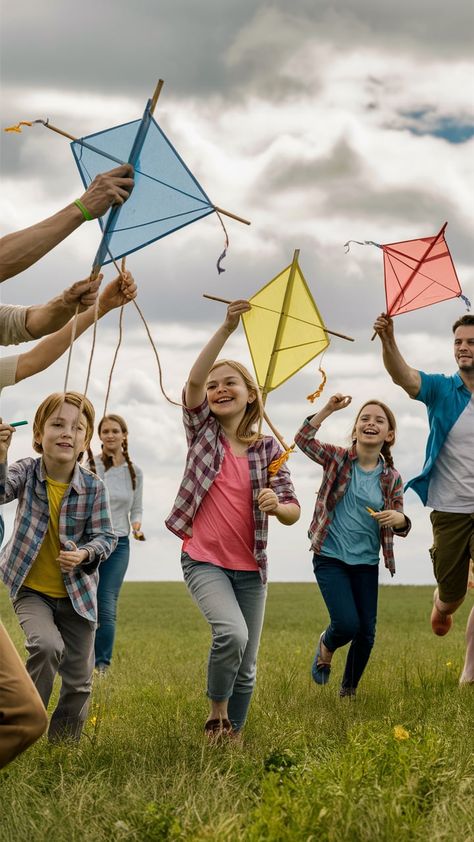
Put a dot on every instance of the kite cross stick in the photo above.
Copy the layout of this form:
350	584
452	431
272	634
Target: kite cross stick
259	306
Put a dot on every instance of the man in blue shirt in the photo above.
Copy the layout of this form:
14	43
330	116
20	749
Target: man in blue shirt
446	483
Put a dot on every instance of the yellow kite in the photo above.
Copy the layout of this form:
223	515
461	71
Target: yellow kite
284	328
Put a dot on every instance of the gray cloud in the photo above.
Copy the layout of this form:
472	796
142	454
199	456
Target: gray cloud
210	48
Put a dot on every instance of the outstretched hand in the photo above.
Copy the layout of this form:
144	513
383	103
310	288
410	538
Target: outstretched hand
338	401
118	292
234	312
82	293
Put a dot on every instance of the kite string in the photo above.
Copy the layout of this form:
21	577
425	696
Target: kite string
71	343
160	373
109	384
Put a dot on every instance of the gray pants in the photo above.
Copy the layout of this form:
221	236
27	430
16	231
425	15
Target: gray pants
233	603
58	640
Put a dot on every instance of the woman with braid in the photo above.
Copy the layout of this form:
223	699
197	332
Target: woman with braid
124	482
359	508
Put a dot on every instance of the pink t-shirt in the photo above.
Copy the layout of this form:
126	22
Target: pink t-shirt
223	529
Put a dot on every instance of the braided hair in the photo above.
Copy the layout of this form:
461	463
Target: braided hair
106	459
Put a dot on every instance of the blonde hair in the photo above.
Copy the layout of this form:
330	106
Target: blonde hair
107	460
392	426
51	404
247	431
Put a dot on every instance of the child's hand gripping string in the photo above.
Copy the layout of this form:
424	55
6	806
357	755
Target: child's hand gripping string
388	517
6	432
69	559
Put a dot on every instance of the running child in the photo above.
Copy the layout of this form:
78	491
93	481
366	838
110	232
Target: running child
359	508
62	532
221	512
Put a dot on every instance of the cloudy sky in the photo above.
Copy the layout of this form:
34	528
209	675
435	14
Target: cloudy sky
319	122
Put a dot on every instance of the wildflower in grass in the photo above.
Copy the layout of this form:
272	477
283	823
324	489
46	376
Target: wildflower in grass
400	733
449	663
93	720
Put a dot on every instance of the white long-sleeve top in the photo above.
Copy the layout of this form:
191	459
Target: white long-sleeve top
125	504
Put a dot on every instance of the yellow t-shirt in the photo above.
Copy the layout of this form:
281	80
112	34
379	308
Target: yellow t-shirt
45	574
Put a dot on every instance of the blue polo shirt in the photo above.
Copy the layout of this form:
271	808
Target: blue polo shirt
445	398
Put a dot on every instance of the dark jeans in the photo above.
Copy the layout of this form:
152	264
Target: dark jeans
111	575
350	592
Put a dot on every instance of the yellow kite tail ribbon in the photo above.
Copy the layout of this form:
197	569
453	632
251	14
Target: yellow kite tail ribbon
18	126
320	388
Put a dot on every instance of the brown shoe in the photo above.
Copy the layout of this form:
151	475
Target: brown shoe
440	623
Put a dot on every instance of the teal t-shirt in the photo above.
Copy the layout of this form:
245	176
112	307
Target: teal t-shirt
354	536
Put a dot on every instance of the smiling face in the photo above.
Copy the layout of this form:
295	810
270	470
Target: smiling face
63	437
227	393
464	348
372	427
111	435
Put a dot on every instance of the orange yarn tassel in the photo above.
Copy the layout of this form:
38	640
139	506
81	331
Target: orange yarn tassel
275	466
320	388
17	128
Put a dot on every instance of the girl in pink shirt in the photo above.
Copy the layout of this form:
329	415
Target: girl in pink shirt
222	511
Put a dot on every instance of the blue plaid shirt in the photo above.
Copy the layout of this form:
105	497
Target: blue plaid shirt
84	518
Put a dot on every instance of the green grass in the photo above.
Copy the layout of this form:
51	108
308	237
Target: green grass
311	766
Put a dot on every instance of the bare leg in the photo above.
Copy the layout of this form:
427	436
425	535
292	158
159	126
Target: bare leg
218	710
441	619
467	676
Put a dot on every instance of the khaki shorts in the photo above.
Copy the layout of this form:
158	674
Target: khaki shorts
453	547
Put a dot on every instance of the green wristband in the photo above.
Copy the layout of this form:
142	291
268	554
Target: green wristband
83	210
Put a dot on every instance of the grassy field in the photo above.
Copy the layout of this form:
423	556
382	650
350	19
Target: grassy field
396	764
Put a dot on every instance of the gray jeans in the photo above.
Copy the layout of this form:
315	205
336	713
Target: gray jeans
58	640
233	603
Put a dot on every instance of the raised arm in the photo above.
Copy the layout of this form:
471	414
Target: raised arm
196	384
116	293
401	373
21	249
42	319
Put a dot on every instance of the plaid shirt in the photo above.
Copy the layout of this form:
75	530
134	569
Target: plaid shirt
337	465
205	455
84	518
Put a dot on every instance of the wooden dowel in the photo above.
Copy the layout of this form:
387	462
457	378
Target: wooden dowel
232	215
156	95
332	332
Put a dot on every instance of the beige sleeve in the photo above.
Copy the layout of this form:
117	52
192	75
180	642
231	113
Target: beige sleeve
13	324
8	370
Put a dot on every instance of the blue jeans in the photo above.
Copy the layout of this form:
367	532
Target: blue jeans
350	592
233	603
111	575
